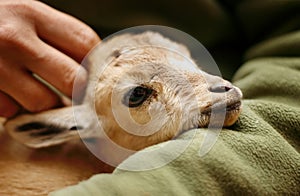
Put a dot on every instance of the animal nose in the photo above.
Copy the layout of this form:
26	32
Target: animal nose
220	88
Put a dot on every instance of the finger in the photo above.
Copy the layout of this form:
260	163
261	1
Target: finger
65	32
28	91
8	107
56	68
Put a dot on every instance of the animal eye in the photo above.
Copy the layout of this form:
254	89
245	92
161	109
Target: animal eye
135	97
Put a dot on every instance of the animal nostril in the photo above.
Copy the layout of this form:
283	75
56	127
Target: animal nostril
220	88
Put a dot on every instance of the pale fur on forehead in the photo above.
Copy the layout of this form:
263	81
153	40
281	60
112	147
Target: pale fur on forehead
115	46
130	50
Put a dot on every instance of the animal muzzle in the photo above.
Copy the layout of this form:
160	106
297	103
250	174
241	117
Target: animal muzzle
216	97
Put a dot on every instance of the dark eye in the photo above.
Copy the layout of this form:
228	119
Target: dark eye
135	97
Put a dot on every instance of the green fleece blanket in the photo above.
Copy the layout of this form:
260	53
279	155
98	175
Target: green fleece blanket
259	155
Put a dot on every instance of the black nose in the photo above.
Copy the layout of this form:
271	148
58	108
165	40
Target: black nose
219	88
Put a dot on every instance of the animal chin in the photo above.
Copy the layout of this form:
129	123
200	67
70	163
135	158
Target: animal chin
231	113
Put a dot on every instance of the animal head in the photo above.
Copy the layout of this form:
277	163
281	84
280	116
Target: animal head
143	89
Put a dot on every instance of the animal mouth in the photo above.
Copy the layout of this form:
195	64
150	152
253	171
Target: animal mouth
234	106
220	109
222	115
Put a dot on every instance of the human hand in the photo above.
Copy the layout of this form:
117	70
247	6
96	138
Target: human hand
37	39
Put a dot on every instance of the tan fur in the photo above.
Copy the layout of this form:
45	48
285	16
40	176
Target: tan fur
168	71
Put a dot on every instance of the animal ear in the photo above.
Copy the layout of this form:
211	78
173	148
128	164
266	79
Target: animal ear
44	129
